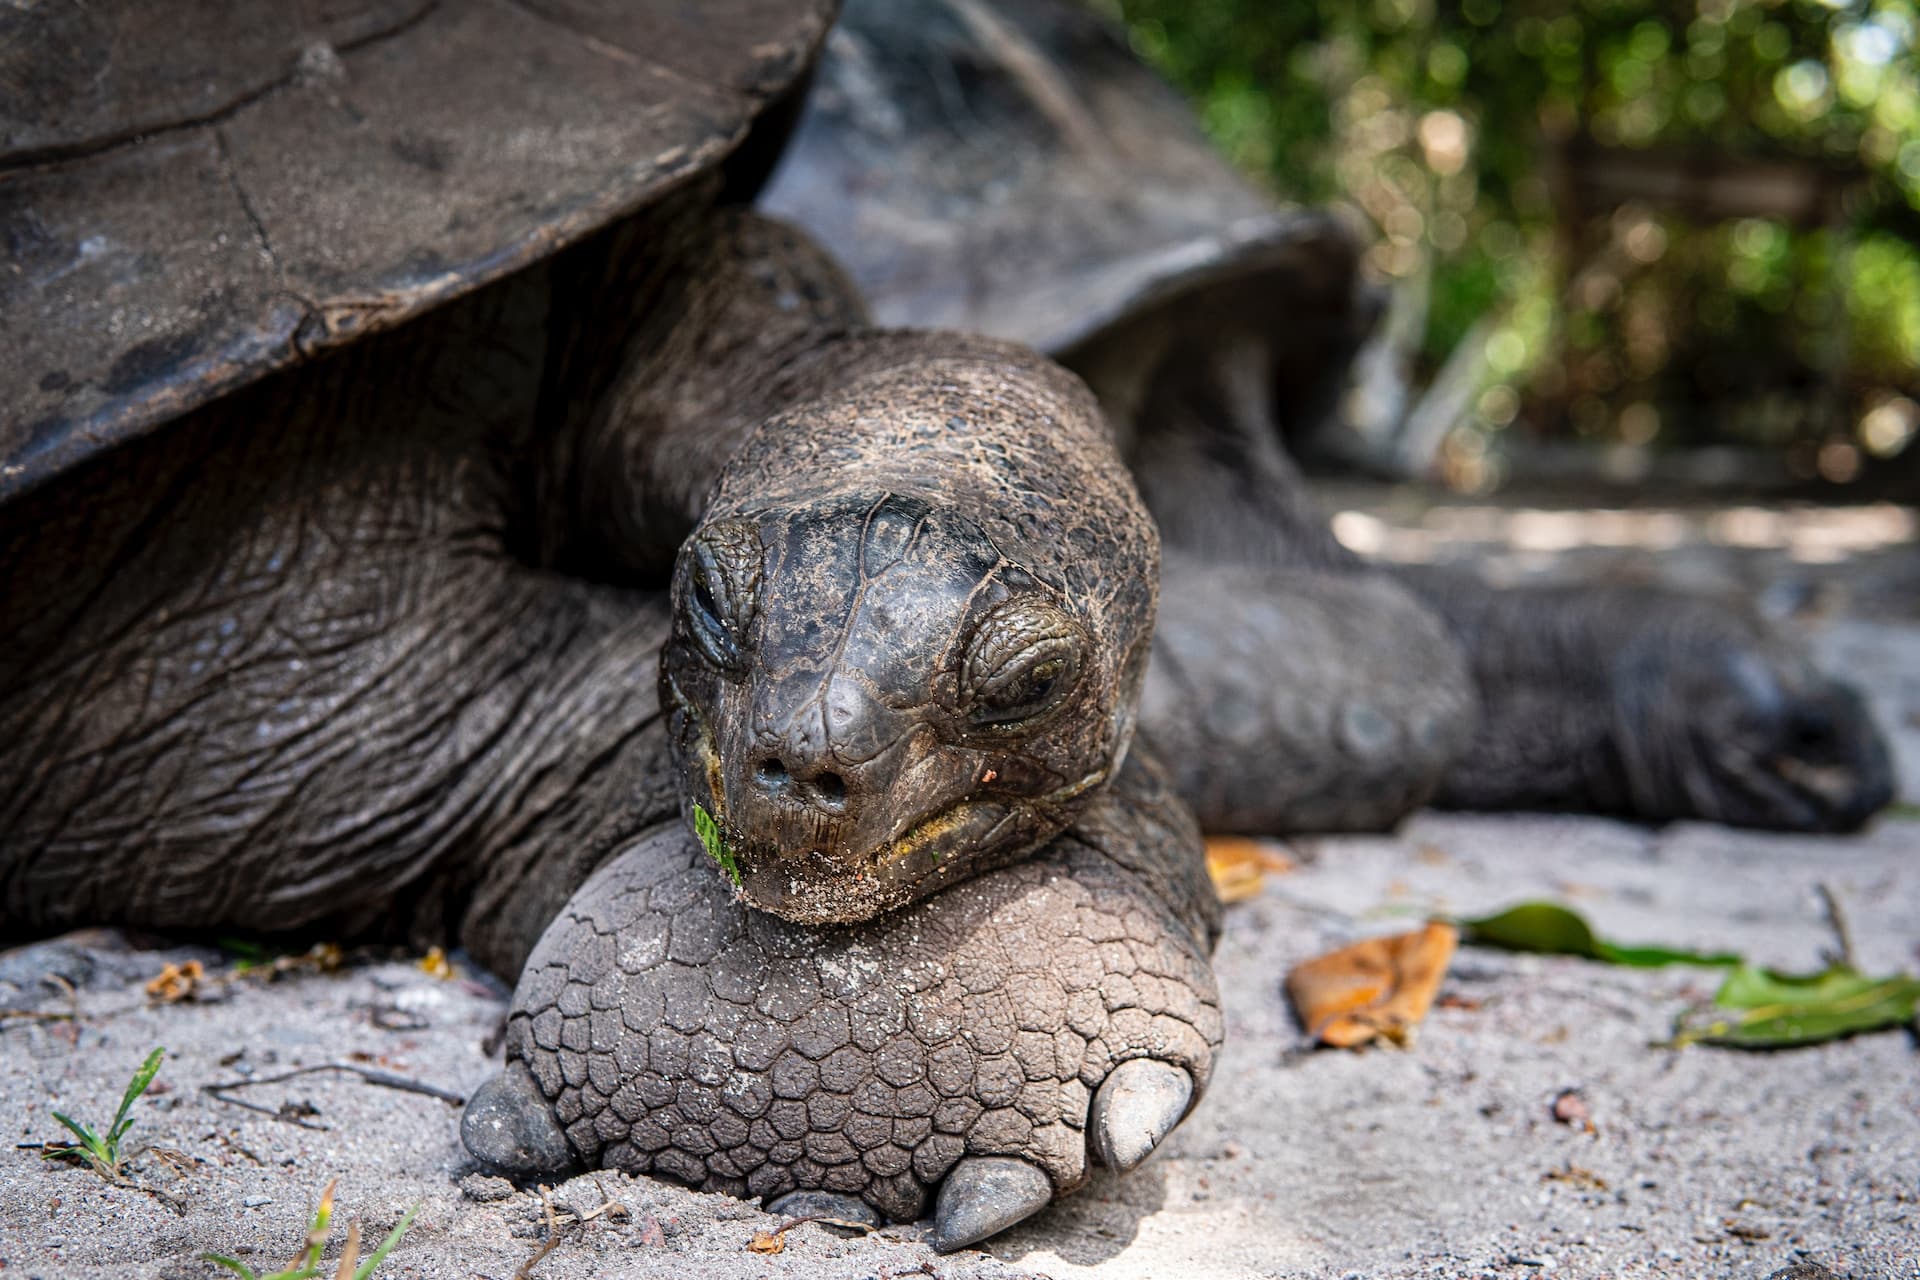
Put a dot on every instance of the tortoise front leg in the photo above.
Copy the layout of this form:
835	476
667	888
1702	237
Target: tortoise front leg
973	1052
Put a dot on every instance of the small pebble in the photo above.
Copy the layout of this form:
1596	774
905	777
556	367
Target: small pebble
254	1202
1570	1108
485	1188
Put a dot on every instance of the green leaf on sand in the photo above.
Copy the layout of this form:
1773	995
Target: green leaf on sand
1755	1008
709	832
1760	1009
1553	929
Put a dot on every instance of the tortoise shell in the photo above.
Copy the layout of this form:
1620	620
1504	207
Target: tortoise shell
1013	168
194	196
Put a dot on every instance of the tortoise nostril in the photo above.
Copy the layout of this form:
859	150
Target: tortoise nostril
823	789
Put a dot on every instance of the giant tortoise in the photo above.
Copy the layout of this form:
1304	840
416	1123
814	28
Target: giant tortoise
436	509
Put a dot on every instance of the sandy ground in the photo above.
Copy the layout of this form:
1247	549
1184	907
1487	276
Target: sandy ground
1443	1160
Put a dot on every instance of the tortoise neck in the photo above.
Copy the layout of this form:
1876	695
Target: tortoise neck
672	339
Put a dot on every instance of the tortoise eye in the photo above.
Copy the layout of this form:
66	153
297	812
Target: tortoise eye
1024	661
703	598
721	572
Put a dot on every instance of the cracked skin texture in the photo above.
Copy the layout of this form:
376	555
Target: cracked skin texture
678	1033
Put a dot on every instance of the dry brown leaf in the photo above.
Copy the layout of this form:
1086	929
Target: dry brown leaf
1239	866
1573	1175
321	957
1381	987
435	962
349	1253
768	1241
177	982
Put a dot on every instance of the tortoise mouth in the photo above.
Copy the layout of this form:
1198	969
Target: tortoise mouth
837	886
973	834
820	886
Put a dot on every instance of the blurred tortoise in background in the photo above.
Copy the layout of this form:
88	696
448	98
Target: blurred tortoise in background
1012	168
430	498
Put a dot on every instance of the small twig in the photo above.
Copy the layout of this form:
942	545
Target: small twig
385	1079
168	1199
566	1217
547	1246
70	1014
163	1154
285	1111
178	1161
864	1228
608	1206
1837	920
38	1015
228	1142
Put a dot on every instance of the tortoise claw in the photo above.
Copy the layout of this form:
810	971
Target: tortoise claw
1135	1109
824	1204
984	1195
509	1127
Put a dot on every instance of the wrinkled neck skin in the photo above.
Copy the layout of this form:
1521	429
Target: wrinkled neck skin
910	628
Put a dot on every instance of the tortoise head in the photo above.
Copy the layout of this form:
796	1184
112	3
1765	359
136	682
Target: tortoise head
908	637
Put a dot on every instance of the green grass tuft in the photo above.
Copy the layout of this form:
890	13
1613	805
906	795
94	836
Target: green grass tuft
306	1263
100	1152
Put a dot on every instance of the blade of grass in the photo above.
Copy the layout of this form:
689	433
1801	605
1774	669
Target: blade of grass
715	844
379	1255
234	1265
88	1138
306	1263
309	1260
135	1087
349	1253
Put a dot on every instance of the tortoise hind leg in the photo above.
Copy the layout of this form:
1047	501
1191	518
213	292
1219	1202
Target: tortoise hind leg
1292	687
1296	699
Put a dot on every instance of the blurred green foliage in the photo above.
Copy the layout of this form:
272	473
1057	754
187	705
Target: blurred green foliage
1511	154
